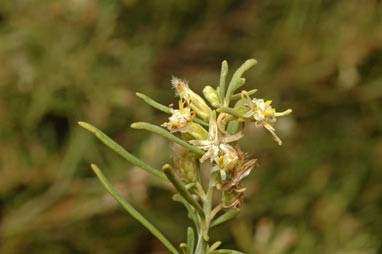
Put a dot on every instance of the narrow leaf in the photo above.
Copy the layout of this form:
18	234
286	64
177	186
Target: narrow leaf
121	151
169	171
237	81
190	239
184	248
225	217
131	210
223	77
214	246
166	134
153	103
228	110
164	108
225	251
200	121
238	95
191	212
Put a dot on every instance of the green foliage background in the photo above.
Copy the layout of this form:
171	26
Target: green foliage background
68	60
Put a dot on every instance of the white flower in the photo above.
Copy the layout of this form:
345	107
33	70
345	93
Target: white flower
226	163
216	145
263	114
180	119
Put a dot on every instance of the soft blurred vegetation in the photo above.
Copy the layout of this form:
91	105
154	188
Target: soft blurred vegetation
62	61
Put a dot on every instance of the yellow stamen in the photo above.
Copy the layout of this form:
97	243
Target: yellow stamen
181	108
221	162
269	112
268	102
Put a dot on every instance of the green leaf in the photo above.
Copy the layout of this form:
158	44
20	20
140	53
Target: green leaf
179	198
164	108
184	248
190	239
121	151
223	77
153	103
169	171
166	134
228	110
226	251
238	95
131	210
214	246
225	217
237	81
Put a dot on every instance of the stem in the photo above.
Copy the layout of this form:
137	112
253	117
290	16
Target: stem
201	247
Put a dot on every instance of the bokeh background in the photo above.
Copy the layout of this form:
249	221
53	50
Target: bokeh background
64	61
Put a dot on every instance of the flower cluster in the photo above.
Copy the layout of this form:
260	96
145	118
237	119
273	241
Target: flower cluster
209	135
225	129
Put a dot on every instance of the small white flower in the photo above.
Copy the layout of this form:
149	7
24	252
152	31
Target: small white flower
263	114
226	163
180	119
216	145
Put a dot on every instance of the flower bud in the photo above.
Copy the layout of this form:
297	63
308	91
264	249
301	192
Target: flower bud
232	199
195	101
212	96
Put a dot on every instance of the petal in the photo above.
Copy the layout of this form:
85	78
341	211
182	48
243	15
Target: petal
228	149
215	168
232	138
223	174
249	113
272	131
205	156
213	129
200	142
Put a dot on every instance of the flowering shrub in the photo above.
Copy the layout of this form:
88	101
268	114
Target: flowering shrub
209	133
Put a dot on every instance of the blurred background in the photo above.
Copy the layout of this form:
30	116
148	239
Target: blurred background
63	61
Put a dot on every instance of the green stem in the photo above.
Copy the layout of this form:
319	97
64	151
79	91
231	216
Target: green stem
120	150
131	210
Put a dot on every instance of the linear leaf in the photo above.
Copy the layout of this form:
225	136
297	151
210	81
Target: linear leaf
169	171
164	108
225	251
190	239
120	150
166	134
225	217
131	210
237	81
